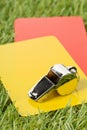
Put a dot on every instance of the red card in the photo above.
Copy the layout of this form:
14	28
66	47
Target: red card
69	30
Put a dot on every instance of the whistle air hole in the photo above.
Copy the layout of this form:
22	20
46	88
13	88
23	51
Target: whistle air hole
53	77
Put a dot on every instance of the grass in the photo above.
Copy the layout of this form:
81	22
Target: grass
69	118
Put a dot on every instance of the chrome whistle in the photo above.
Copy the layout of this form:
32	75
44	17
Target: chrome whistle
63	79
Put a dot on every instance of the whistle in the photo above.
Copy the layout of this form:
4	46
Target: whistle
63	79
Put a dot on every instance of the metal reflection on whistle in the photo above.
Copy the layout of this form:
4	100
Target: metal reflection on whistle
63	79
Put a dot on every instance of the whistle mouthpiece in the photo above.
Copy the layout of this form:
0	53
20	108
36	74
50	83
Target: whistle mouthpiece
41	88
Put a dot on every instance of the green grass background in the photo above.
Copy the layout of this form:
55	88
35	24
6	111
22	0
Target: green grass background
69	118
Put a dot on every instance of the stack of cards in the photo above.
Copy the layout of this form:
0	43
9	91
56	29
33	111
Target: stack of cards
58	40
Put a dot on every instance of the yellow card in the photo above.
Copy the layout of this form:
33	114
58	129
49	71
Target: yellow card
24	63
